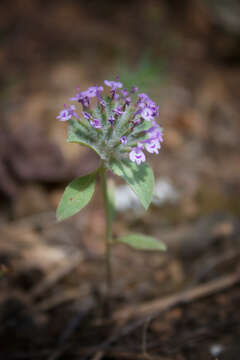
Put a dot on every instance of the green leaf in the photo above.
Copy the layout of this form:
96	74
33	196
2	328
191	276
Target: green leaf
139	177
142	242
81	133
76	195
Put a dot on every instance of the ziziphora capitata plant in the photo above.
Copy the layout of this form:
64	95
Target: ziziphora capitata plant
119	124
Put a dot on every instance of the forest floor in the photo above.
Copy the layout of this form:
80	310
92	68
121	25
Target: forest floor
53	303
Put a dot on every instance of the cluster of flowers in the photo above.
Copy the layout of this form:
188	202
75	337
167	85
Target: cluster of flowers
139	109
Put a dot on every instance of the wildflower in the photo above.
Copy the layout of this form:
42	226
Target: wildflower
147	114
86	115
93	90
152	146
137	155
136	122
134	89
128	100
116	123
118	111
119	126
64	115
155	132
96	123
124	92
123	140
67	113
82	97
115	96
111	120
114	85
143	98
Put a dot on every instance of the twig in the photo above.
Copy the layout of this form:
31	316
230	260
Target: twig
147	311
185	297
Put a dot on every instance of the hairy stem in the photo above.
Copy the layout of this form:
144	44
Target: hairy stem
108	231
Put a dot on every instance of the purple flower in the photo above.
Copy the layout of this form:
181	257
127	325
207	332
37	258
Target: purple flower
123	116
123	140
98	94
137	155
87	115
151	104
141	105
67	113
113	84
71	111
152	146
137	112
143	97
93	90
64	115
124	92
137	122
81	97
78	97
102	103
111	120
118	111
96	123
155	132
114	95
128	100
134	89
147	114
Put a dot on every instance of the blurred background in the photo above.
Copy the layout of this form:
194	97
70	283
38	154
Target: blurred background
186	55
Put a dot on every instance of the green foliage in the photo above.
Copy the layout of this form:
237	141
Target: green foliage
76	195
142	242
139	177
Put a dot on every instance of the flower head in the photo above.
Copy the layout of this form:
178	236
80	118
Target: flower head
115	124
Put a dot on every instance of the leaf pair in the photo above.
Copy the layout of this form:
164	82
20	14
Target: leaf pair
80	191
140	178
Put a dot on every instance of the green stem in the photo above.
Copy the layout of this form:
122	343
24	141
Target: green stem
108	231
